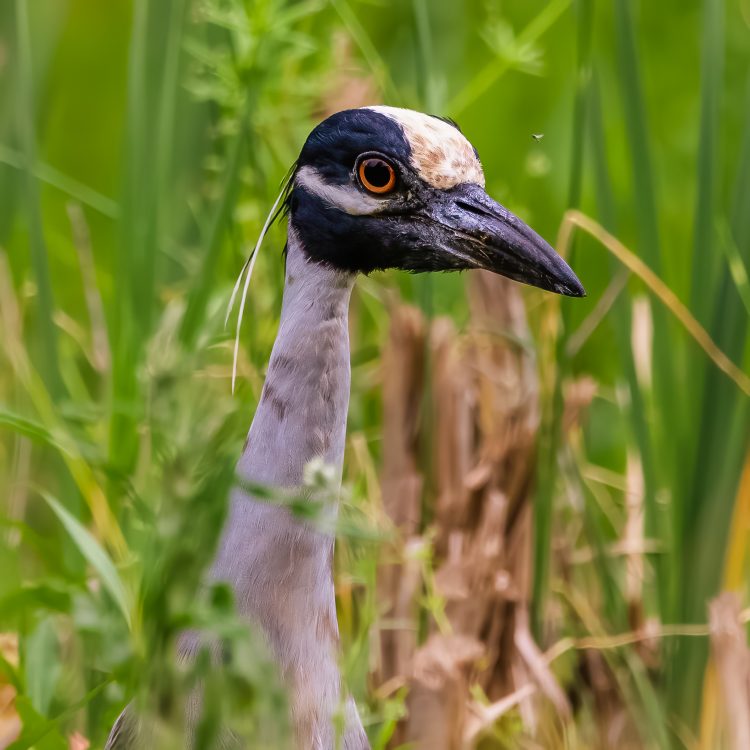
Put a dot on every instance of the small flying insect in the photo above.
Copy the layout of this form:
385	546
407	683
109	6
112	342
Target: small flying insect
537	136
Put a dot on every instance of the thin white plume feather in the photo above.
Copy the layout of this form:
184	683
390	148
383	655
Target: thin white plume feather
249	266
236	289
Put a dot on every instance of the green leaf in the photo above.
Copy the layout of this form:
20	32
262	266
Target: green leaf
33	597
9	673
90	548
25	130
38	732
736	265
28	428
42	664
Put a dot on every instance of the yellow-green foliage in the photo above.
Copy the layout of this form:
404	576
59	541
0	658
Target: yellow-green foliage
141	145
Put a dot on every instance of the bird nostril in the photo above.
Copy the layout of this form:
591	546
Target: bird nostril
473	208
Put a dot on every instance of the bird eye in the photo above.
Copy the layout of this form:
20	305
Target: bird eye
376	175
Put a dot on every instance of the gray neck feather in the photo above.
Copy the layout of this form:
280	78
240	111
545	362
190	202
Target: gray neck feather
303	407
280	568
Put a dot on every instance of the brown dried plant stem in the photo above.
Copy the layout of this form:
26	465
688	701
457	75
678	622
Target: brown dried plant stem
483	417
484	716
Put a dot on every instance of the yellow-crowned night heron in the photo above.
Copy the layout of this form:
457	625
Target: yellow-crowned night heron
373	188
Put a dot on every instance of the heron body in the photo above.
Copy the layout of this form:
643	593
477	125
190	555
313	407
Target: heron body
279	567
374	188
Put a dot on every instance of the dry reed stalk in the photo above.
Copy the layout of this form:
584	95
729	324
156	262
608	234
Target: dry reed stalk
482	418
438	691
399	576
77	741
732	660
634	541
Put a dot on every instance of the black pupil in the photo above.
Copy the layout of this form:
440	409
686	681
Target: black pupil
377	173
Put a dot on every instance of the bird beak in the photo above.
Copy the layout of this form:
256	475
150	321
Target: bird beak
470	230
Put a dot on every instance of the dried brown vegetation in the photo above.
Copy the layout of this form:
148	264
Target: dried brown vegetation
478	425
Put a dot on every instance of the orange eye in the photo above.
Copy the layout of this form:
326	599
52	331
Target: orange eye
377	175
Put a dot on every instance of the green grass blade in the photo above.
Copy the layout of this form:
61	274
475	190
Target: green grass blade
426	62
93	552
723	431
740	218
704	261
128	316
663	406
369	51
198	299
633	101
26	135
621	312
550	428
42	665
737	267
490	74
35	431
584	10
153	89
62	182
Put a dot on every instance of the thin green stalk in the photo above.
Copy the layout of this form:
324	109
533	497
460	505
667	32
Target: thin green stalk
428	96
489	75
584	10
139	207
424	292
168	99
634	111
55	178
705	262
369	51
129	330
740	216
621	313
425	58
50	368
153	88
550	432
649	704
723	436
546	474
198	299
588	130
737	267
665	395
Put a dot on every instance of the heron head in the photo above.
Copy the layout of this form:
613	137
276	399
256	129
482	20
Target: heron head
381	187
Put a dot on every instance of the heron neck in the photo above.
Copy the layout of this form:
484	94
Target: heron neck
279	566
302	411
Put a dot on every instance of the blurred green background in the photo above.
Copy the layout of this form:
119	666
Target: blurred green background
141	146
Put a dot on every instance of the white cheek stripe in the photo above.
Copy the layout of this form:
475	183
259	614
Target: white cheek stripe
347	198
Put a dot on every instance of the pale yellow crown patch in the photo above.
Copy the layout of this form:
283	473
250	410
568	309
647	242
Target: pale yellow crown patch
441	155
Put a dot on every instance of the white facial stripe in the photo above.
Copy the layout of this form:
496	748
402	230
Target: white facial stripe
442	156
345	197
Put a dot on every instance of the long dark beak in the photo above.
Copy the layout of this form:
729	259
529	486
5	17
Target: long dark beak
477	232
